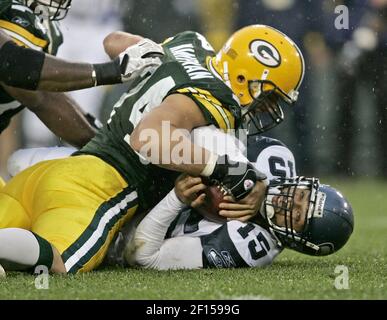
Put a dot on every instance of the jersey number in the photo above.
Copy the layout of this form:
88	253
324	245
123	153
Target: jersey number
279	168
262	242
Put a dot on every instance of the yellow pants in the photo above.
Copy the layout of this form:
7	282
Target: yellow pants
77	204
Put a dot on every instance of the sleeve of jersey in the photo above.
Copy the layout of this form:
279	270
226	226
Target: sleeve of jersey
23	27
238	245
152	251
214	111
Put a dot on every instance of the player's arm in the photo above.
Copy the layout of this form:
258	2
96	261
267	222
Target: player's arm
30	69
152	251
59	112
117	41
180	115
117	46
166	129
217	249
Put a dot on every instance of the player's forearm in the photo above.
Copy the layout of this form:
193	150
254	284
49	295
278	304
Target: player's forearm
61	75
151	232
180	253
63	117
184	156
152	251
117	41
58	75
172	150
30	69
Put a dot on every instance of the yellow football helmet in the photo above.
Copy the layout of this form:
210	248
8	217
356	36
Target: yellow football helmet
263	68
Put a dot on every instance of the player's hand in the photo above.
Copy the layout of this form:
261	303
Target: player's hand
236	178
140	58
188	189
246	208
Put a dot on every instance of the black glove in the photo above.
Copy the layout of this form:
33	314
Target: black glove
236	178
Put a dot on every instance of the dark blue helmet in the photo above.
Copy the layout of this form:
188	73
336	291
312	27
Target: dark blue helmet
329	219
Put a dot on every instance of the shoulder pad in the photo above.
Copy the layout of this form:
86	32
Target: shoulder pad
24	26
256	144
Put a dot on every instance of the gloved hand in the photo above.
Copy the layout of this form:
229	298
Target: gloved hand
136	60
140	58
235	178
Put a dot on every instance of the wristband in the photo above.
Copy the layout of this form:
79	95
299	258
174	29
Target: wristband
107	73
210	166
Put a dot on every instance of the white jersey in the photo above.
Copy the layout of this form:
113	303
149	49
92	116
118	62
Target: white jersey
271	156
232	244
173	236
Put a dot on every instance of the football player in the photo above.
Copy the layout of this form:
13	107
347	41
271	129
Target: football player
297	213
60	113
65	212
33	69
266	154
269	155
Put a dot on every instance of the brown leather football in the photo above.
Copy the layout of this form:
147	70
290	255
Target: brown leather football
210	209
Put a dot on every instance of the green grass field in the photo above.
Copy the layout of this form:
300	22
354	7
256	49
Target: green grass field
292	276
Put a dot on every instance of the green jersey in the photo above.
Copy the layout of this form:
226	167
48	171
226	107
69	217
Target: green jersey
4	5
26	29
184	70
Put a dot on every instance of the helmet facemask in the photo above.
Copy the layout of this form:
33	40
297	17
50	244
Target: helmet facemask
279	200
57	9
266	109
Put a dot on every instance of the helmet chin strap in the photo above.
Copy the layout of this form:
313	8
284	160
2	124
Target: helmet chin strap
226	77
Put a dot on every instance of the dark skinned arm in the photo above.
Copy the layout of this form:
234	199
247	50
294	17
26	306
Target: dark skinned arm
55	74
59	112
61	75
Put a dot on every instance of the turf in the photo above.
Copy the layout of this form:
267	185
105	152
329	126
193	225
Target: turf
292	276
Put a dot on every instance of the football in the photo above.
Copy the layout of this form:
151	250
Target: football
210	209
